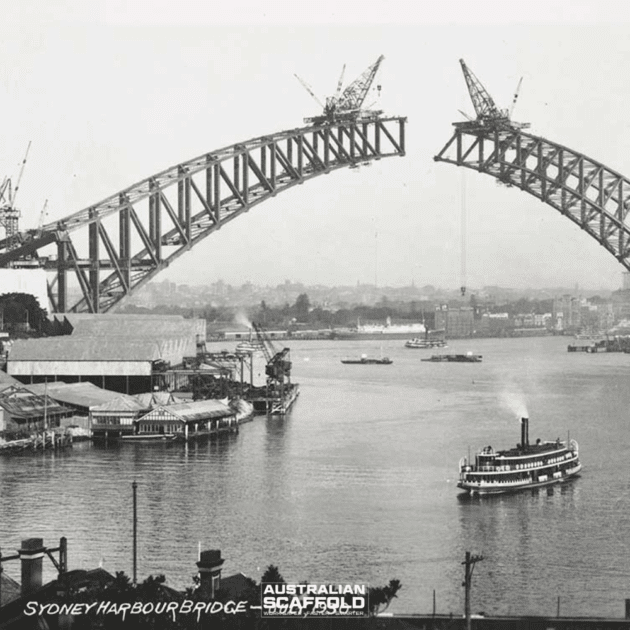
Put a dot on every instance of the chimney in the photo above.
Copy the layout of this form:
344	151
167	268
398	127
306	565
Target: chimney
524	432
31	556
209	565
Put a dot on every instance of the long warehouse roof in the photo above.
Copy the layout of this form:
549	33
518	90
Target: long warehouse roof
68	348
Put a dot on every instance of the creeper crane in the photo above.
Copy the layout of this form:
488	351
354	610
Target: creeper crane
488	114
349	104
9	214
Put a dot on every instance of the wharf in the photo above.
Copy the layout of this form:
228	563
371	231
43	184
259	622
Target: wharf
39	442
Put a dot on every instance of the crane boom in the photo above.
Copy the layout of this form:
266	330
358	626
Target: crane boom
309	89
353	97
19	179
278	367
483	103
349	104
488	114
516	93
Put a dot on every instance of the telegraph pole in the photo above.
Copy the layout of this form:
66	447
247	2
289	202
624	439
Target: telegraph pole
470	566
134	485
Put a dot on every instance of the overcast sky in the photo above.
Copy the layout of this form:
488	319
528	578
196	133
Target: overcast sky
112	92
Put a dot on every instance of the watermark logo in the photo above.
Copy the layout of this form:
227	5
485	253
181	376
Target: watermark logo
315	600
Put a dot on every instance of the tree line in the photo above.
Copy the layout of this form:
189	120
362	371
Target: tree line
304	314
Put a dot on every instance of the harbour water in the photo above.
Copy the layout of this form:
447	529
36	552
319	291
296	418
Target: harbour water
358	483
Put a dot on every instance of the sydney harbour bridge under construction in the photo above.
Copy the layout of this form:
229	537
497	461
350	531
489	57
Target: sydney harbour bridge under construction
117	245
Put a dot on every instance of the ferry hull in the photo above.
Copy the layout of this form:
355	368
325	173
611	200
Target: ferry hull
474	489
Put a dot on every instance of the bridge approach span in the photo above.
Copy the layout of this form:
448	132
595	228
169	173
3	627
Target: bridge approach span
588	193
116	246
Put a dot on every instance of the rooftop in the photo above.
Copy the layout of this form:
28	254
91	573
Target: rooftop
198	410
70	348
82	394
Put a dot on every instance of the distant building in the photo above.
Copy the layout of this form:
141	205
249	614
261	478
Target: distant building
457	323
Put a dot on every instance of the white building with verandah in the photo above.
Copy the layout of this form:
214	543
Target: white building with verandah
187	420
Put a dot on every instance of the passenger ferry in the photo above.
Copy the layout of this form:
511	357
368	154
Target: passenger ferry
526	466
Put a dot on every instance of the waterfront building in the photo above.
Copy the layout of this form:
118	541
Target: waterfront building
187	420
22	410
126	354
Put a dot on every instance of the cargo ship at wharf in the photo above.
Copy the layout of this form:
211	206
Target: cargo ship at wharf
363	332
526	466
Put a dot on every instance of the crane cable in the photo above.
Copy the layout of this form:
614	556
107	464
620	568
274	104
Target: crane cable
463	234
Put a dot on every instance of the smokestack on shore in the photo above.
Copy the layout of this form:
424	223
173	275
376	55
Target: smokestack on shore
524	432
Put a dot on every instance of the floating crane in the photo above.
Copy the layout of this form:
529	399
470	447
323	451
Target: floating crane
278	367
489	116
281	393
349	103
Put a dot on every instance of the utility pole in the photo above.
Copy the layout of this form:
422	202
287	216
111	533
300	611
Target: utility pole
470	566
134	486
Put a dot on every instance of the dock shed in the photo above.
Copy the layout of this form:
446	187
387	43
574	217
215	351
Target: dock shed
120	364
109	414
187	420
125	353
22	410
116	418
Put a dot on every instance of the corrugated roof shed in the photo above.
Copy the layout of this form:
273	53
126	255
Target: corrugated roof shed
6	379
198	410
147	327
84	349
74	318
152	399
121	403
21	403
84	394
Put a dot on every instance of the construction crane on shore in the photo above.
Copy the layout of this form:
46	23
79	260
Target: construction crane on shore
486	110
348	104
9	214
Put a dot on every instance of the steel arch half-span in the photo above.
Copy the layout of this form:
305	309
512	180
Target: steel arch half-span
116	246
590	194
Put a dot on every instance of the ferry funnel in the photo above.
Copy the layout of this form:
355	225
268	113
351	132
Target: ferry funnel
524	432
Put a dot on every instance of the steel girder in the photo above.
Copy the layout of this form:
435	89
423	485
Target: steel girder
590	194
138	232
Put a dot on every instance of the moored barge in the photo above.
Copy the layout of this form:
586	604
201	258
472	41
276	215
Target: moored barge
526	466
365	360
469	357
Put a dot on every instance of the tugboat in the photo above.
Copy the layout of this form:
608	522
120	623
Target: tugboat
526	466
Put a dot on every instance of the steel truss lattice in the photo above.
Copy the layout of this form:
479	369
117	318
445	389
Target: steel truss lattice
590	194
116	246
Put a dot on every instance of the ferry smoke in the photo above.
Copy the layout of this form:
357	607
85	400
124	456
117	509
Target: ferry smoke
514	402
242	319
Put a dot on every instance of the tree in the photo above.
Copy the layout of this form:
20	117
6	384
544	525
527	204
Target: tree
382	597
272	575
302	307
21	311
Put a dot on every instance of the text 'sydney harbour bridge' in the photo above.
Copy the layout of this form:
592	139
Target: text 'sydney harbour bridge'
128	238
